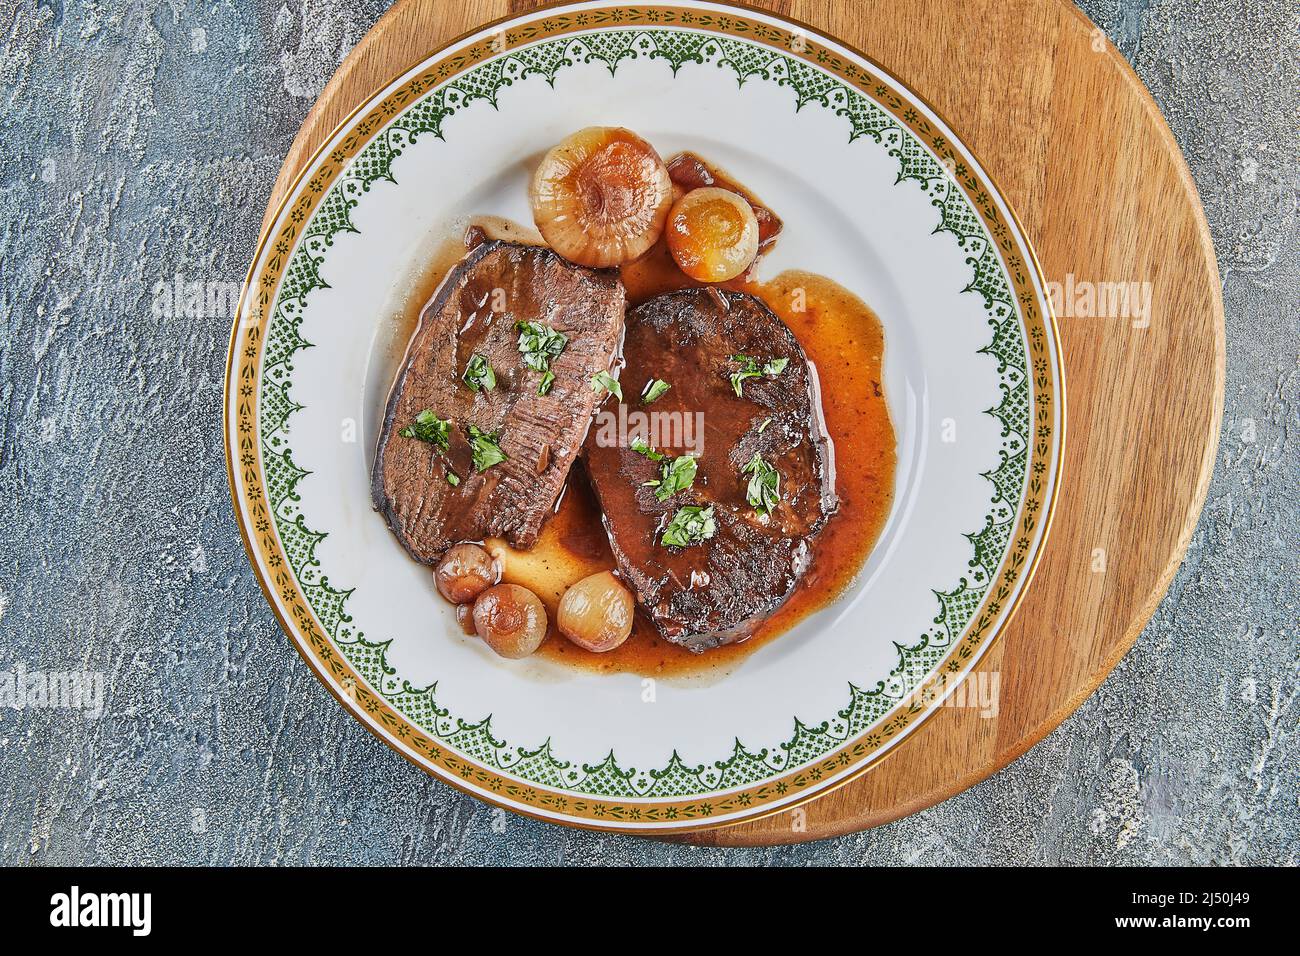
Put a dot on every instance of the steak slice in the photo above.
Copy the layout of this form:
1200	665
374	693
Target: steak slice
720	590
474	312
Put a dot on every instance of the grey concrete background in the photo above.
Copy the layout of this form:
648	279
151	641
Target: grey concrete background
141	141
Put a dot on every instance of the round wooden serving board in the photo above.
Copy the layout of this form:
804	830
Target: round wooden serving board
1081	152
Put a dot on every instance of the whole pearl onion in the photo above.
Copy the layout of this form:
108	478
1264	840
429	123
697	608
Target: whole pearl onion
465	572
597	613
600	197
511	620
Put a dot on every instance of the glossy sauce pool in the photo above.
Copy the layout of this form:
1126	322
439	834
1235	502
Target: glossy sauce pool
842	338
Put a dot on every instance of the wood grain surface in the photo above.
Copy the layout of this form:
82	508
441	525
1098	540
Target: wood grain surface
1080	151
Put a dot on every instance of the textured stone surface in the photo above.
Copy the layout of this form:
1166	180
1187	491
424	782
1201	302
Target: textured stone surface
140	141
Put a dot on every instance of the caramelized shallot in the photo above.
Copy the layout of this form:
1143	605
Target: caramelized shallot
601	196
511	620
712	234
465	572
596	613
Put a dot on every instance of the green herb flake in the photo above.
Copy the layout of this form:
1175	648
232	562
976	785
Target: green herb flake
479	375
763	427
608	382
751	367
548	379
485	449
453	479
675	474
764	489
640	446
540	344
654	389
429	427
748	369
692	524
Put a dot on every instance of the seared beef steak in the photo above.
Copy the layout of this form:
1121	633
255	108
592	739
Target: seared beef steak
433	497
716	591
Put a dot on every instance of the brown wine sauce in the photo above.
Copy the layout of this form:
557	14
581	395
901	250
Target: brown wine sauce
842	338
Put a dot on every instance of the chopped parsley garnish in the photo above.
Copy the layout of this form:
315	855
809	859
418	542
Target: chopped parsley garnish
539	344
453	479
429	427
764	489
640	446
692	524
653	390
608	382
751	368
675	474
485	448
748	369
479	375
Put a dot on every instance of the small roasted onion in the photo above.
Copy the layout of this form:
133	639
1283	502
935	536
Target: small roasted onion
511	619
465	572
596	613
600	196
712	234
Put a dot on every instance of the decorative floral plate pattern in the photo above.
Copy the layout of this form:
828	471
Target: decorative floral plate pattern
265	396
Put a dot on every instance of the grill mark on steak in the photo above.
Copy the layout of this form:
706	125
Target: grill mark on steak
719	591
474	311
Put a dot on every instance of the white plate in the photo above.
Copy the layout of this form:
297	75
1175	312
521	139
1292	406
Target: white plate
877	193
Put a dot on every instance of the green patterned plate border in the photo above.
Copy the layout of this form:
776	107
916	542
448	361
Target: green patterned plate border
604	793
